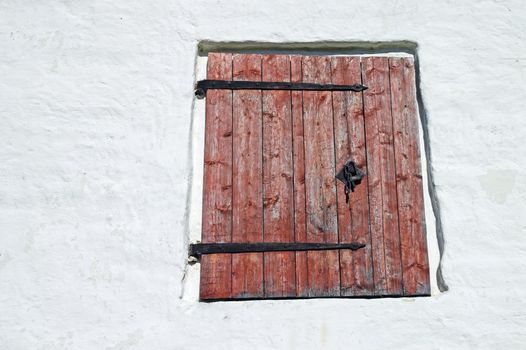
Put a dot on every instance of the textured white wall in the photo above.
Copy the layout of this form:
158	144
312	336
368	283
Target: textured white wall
95	109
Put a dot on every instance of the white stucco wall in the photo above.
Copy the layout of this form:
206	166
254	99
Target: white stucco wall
96	100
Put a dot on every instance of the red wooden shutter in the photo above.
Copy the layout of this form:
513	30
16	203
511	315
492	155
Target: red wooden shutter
269	176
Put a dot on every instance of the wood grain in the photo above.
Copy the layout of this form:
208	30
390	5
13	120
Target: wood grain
215	277
247	184
322	226
383	207
270	161
409	178
278	196
353	217
300	223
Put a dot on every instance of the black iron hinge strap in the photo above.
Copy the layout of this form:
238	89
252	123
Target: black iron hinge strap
203	85
198	249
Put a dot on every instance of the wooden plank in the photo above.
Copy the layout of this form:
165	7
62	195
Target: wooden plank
381	175
353	217
323	267
217	195
247	203
300	223
278	196
415	264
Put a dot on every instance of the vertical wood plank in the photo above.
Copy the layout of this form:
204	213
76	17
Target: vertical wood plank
353	217
300	224
383	207
278	196
217	206
415	264
322	226
247	203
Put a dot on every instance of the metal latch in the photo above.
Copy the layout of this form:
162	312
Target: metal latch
203	85
351	176
196	250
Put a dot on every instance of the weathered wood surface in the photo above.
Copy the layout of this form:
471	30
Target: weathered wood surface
216	281
353	217
278	195
382	178
270	162
322	223
300	223
247	179
415	265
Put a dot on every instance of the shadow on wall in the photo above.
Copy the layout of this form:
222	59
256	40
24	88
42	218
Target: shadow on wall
352	48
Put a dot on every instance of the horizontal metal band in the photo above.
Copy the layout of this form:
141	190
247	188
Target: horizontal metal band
198	249
203	85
